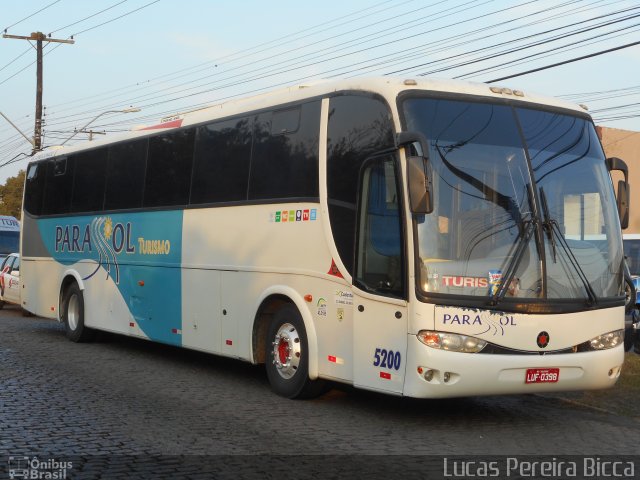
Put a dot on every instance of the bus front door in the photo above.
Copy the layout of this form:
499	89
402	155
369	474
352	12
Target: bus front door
380	311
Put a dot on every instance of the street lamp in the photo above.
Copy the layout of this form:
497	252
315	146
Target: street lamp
126	110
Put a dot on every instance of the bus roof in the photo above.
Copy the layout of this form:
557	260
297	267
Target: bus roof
388	87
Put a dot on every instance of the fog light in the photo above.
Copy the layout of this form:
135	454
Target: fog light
428	375
446	377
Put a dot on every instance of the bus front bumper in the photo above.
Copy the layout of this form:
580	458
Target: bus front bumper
433	373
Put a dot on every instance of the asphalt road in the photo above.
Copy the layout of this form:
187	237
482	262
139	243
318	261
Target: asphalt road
125	408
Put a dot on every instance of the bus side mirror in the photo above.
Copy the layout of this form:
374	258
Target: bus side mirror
623	193
622	201
420	187
418	171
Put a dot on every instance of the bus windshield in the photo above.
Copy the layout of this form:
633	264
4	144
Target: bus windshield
9	242
523	205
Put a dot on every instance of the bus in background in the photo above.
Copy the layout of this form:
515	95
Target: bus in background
422	238
631	245
9	236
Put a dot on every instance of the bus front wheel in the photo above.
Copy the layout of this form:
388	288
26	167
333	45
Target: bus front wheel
73	315
287	360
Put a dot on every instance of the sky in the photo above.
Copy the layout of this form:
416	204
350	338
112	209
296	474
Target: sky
171	56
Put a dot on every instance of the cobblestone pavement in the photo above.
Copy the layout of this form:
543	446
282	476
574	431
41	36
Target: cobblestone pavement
120	407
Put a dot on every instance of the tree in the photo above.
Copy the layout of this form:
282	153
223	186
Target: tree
11	195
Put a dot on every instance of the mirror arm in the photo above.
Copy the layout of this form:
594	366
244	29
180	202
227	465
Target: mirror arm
615	163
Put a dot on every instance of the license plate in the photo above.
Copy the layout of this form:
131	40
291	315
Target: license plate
542	375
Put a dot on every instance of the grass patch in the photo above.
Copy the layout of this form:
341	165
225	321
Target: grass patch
621	399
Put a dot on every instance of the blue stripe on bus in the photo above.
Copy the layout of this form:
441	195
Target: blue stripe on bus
140	252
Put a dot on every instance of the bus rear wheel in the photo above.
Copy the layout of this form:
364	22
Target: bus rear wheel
73	315
287	360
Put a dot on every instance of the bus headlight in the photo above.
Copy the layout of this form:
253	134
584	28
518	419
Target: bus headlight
607	340
452	342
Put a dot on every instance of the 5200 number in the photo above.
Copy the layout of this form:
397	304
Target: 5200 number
387	359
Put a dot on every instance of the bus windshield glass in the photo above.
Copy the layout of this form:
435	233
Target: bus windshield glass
9	242
523	204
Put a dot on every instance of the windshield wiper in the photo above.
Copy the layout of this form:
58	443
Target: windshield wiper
551	226
504	201
547	226
528	227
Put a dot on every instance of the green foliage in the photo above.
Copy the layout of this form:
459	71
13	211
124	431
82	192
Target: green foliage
11	195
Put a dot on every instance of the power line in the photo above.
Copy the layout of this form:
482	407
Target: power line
572	60
116	18
254	73
581	43
29	16
87	18
287	69
17	58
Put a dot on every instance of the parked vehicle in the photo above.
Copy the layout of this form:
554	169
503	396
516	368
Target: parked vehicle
10	280
9	235
631	243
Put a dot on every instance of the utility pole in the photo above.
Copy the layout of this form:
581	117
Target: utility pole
38	37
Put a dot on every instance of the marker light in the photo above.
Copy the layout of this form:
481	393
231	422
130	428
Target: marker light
451	341
607	340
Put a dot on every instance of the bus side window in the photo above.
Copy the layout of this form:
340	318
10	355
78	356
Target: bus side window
359	125
284	160
88	186
125	175
169	169
34	188
58	186
379	257
221	162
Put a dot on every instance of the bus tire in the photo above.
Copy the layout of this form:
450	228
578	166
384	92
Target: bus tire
287	360
73	315
1	304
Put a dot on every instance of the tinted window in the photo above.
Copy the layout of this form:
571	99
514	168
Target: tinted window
380	235
125	175
286	121
88	185
221	165
284	161
34	188
632	255
358	127
169	169
9	242
59	186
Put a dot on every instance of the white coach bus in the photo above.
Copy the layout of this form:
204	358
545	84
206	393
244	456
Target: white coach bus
420	238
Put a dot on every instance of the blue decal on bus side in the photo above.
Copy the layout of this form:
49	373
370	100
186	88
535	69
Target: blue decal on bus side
141	253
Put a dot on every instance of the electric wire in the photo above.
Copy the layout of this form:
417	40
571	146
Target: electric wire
29	16
87	18
154	99
571	60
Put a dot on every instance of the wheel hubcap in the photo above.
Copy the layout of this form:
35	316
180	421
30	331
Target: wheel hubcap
287	351
73	312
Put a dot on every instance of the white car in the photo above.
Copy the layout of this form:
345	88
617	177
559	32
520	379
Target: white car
10	280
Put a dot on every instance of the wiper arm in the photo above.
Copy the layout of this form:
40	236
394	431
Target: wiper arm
547	225
504	201
528	227
552	226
